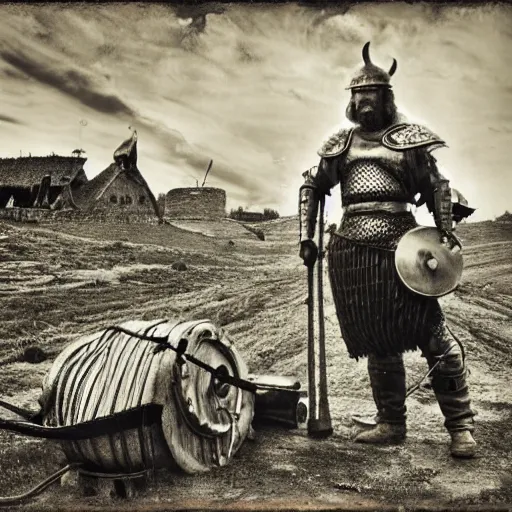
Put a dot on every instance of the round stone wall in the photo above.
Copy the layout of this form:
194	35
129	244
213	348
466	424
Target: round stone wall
195	203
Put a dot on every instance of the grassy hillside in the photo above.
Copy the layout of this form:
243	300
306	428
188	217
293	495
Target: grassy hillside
57	284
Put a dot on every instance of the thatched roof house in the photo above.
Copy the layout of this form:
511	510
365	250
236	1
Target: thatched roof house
120	187
46	181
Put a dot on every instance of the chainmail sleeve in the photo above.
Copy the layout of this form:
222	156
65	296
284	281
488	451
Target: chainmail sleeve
318	182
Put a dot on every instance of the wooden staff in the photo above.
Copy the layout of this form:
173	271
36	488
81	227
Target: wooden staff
311	352
319	424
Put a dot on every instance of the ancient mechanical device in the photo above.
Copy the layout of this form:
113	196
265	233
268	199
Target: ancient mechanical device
143	395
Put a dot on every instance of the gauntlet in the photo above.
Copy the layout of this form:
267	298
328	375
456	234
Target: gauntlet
443	206
308	206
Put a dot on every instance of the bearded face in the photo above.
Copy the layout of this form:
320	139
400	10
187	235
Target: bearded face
372	108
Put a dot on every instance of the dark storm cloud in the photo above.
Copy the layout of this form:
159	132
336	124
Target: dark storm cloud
69	81
176	147
8	119
14	73
256	88
197	14
192	11
227	175
188	157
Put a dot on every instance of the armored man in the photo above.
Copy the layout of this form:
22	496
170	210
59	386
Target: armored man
384	165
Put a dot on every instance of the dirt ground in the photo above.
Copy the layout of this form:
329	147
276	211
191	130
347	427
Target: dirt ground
57	283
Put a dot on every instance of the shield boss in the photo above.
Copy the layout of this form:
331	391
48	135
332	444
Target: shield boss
427	266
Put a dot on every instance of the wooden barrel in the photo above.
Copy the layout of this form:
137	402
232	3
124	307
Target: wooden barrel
161	411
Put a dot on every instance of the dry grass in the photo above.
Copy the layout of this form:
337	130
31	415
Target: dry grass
256	290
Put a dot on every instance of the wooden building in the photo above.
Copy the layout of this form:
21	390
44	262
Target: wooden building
199	203
41	182
120	188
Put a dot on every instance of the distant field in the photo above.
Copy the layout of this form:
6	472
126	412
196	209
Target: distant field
473	233
192	237
58	282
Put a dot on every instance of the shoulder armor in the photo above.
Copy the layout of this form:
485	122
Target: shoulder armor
408	136
310	175
336	144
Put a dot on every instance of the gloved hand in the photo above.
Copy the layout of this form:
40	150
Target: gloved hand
309	253
450	240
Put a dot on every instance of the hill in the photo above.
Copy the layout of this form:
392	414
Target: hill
60	283
506	217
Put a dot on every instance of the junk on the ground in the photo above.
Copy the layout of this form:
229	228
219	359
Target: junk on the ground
130	399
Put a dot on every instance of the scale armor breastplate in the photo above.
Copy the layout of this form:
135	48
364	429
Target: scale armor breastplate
382	230
375	179
368	180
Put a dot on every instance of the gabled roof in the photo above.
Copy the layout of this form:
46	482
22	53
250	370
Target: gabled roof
86	196
125	161
28	171
91	191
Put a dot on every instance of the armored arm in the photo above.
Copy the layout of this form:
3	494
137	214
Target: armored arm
309	199
441	205
317	184
447	204
439	197
435	190
418	142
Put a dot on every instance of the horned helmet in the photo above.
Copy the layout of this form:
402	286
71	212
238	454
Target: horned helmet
370	74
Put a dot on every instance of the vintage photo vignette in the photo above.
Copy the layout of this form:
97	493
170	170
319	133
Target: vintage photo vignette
126	152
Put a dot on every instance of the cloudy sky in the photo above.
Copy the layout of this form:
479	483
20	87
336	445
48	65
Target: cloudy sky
255	88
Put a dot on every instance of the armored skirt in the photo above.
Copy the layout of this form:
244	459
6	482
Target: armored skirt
377	314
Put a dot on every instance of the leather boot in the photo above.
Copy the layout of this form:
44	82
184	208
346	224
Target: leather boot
383	433
463	445
387	378
452	393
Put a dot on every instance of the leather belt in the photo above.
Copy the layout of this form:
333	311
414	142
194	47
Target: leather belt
376	206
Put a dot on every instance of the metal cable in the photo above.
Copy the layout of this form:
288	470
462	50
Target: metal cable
414	388
15	500
163	341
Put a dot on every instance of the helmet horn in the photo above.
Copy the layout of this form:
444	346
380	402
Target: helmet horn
366	53
393	67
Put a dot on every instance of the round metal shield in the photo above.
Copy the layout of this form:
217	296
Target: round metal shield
427	266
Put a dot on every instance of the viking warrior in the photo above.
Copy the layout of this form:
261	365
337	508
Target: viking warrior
384	165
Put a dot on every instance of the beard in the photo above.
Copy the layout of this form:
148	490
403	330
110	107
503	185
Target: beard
373	116
370	117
